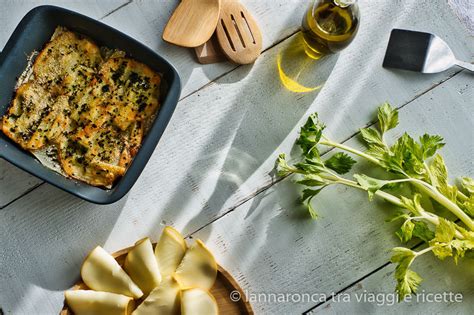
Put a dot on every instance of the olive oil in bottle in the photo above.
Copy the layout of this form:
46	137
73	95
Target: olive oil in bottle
329	26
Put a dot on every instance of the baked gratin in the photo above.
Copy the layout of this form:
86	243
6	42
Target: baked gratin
88	107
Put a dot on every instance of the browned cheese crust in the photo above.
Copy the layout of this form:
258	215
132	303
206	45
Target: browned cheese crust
93	111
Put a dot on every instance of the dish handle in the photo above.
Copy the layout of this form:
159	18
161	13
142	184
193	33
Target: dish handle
2	143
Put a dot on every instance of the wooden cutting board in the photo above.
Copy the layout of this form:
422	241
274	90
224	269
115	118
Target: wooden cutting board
223	287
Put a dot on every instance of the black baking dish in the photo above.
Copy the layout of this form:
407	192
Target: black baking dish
34	30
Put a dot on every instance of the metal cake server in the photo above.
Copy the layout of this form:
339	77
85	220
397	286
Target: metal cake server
421	52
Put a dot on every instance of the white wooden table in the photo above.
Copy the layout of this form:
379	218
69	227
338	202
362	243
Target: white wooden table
210	174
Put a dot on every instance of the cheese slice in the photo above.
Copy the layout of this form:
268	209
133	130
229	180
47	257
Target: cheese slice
141	265
101	272
169	251
197	269
32	111
198	301
163	300
89	302
67	56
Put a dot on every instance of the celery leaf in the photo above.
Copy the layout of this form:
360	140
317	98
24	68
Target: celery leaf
405	232
371	185
468	184
407	280
371	137
340	162
430	144
310	134
388	117
422	231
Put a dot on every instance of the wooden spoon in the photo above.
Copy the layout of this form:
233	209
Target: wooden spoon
192	23
238	33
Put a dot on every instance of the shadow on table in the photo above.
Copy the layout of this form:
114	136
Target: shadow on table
65	229
254	128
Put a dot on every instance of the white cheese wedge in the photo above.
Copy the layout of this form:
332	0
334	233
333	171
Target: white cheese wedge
101	272
198	301
89	302
169	251
198	269
141	265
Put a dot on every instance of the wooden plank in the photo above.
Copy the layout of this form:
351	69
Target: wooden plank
439	278
14	182
267	244
13	11
464	9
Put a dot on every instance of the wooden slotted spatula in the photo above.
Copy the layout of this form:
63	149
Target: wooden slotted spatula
237	33
192	23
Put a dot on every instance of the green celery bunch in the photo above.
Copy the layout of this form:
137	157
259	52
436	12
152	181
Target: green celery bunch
435	212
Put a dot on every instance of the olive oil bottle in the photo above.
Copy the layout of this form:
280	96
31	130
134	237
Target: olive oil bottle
329	26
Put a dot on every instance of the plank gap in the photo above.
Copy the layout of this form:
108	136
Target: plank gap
116	9
357	281
22	195
347	287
